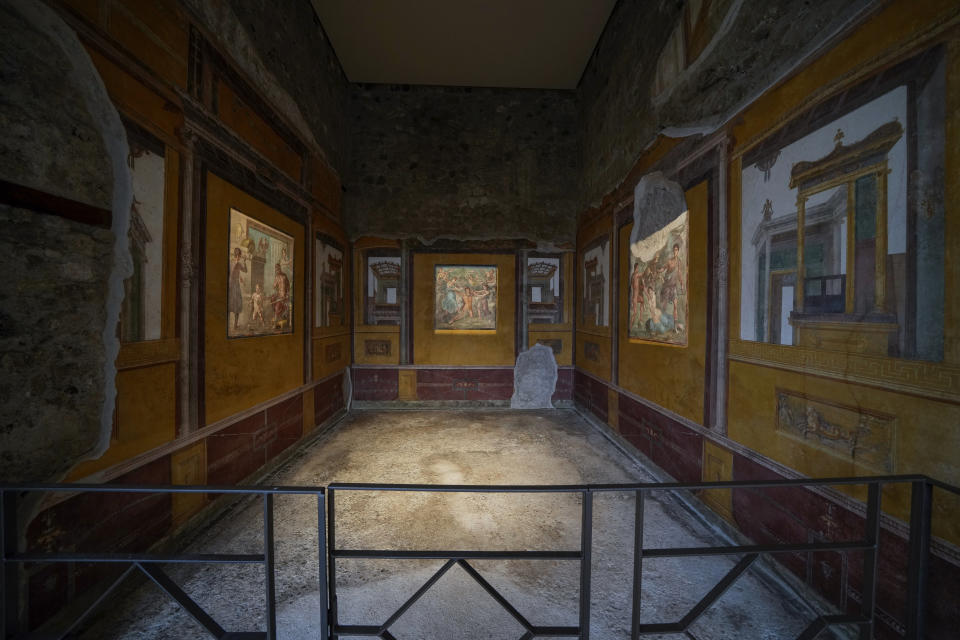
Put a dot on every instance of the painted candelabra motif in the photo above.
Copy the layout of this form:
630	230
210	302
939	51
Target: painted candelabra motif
260	283
465	298
658	285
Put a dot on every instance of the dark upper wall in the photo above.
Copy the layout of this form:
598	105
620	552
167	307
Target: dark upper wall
465	163
619	114
283	51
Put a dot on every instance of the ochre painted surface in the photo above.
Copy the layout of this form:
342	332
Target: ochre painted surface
330	354
669	375
407	379
494	347
585	237
242	372
594	354
371	342
188	466
718	467
137	101
145	418
925	437
916	402
565	357
248	124
156	33
171	235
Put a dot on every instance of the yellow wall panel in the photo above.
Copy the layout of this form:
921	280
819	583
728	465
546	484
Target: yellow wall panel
468	349
377	347
594	354
143	36
248	124
242	372
565	357
330	355
672	376
407	379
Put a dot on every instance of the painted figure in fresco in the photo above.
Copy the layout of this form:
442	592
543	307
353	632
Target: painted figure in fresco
285	261
483	306
281	293
256	305
658	322
234	291
449	302
672	281
466	310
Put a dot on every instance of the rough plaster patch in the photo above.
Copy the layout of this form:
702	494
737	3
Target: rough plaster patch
83	75
656	201
534	379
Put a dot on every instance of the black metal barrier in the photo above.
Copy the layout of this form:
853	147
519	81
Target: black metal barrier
328	554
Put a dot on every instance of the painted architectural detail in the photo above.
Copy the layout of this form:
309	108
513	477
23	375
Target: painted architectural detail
595	270
260	284
141	313
658	284
837	253
865	437
544	300
382	303
377	347
329	286
465	298
554	343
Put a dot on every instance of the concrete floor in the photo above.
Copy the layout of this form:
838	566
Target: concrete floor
464	447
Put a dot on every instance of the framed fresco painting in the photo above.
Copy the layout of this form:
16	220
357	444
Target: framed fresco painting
465	298
329	287
260	283
595	276
658	284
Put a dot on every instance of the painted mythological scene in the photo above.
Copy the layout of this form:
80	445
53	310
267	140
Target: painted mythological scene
260	283
465	298
658	285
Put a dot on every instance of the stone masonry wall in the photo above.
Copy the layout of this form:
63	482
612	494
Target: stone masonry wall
619	114
465	163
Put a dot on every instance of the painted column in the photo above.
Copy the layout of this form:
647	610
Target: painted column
801	232
880	262
851	245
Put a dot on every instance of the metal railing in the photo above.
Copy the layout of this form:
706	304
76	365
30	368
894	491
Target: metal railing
328	554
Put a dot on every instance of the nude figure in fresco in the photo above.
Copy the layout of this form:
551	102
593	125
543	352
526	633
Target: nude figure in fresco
672	281
281	294
256	305
234	290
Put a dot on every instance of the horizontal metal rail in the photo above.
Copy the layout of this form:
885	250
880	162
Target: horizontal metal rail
145	563
150	564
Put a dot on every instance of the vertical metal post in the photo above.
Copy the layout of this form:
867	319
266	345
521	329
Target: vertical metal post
920	510
637	564
586	544
10	605
871	536
268	566
322	558
332	563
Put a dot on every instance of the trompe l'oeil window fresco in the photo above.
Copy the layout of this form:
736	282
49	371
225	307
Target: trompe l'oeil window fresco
465	298
260	283
595	271
329	286
544	290
842	225
143	290
382	302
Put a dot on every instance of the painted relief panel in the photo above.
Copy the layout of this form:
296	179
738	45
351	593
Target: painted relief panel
842	227
260	284
544	296
465	298
595	271
141	312
851	433
382	301
658	284
329	285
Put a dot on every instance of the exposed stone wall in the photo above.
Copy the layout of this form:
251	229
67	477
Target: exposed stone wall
620	115
284	52
60	277
466	163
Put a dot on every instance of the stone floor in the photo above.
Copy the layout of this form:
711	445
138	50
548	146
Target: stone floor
465	447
